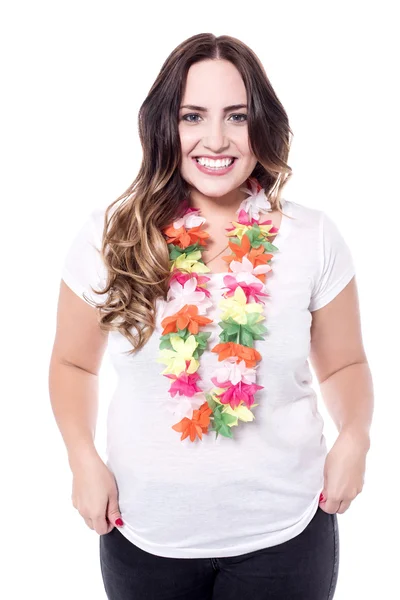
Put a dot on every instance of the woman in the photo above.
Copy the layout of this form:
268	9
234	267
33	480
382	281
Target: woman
214	291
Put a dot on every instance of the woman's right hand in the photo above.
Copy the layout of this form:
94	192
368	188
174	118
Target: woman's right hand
95	494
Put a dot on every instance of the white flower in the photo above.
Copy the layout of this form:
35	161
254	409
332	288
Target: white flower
245	277
256	202
183	406
235	372
246	266
179	295
188	221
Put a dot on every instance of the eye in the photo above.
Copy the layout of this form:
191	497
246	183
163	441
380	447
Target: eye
185	117
242	117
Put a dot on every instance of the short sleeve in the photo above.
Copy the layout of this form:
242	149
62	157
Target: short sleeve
83	267
336	266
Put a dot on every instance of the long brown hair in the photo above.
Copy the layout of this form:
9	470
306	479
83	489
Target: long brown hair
134	249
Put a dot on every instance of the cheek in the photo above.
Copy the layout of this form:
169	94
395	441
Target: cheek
243	144
188	141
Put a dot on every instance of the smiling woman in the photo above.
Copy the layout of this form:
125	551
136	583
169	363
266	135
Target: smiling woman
220	456
216	129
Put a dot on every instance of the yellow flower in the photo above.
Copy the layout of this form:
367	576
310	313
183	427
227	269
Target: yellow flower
176	358
241	412
190	263
241	229
237	307
266	228
217	390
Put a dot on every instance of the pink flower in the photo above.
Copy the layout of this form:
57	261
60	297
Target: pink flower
235	393
244	219
252	290
182	278
185	384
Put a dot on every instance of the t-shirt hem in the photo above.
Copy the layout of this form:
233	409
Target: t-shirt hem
73	284
266	542
333	292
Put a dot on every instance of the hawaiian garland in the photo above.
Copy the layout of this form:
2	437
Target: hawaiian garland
183	341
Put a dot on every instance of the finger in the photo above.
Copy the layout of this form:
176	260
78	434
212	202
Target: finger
110	526
88	522
113	512
330	506
327	504
343	507
100	525
322	507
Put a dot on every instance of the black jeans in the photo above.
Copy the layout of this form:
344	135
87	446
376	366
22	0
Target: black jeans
303	568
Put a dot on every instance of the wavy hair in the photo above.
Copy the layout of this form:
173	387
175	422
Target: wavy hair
134	249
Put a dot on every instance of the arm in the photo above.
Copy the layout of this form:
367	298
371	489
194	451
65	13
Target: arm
73	374
340	364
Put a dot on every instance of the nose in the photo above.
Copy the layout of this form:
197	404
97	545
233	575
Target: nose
215	138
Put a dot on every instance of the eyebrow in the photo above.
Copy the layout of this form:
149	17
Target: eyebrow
203	109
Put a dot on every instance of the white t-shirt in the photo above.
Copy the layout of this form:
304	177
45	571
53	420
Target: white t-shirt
223	497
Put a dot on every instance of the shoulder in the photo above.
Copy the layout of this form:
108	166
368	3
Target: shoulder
311	221
314	227
302	213
96	222
305	221
307	216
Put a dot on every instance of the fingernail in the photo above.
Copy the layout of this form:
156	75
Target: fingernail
119	522
322	498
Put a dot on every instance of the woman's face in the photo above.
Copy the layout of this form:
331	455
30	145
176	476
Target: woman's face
211	130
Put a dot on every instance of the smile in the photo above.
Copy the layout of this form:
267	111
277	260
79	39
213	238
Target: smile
214	167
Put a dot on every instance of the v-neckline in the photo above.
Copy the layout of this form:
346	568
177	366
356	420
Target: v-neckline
280	236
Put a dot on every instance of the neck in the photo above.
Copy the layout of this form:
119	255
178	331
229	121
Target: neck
220	206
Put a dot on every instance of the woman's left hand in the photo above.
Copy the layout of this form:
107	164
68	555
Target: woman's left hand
344	471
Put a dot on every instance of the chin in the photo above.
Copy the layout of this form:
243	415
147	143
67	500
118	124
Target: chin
215	186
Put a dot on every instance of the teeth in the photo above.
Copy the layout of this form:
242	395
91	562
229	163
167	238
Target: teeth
215	164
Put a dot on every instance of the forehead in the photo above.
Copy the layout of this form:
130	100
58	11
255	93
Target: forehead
214	83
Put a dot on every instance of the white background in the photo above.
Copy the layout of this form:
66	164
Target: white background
73	76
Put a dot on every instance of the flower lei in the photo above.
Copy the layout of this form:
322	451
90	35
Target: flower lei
183	341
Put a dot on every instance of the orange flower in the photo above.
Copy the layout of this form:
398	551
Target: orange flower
195	426
227	349
188	316
183	237
258	256
239	250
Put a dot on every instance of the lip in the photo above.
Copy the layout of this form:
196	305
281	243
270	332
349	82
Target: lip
213	156
216	172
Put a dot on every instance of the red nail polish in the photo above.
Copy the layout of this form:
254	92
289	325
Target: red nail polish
321	498
119	522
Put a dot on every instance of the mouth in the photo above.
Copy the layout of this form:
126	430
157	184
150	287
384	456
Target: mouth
214	167
215	163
